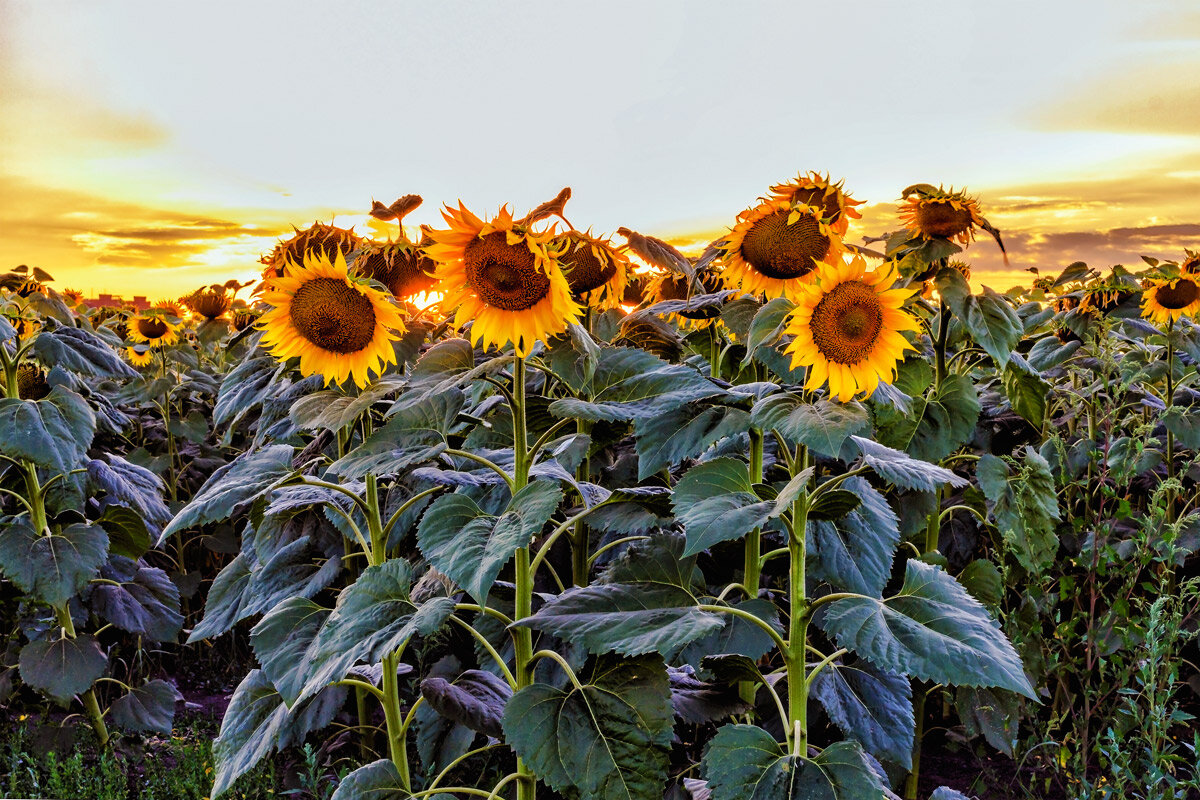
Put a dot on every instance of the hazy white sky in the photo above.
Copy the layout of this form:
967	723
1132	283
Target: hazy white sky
184	137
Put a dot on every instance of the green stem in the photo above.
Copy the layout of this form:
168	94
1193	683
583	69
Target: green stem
753	564
910	783
579	539
391	714
1170	400
795	659
522	636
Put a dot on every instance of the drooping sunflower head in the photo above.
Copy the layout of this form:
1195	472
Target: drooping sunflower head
72	297
1191	262
596	271
775	247
1065	303
503	277
817	191
243	318
31	382
1166	300
1103	295
338	328
847	327
933	212
139	357
210	302
327	240
153	328
401	266
670	285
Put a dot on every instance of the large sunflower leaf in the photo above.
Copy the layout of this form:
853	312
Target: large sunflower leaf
379	780
855	552
373	617
1026	390
686	432
62	668
246	478
54	432
226	601
51	567
744	762
472	547
475	699
871	706
140	599
608	740
937	422
902	470
80	351
932	630
281	640
633	384
993	323
1024	505
128	485
767	325
149	707
715	502
821	426
414	434
258	722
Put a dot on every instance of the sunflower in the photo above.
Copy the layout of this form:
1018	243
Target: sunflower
339	328
1191	262
401	266
847	326
139	358
1065	303
503	276
327	240
669	285
927	277
837	207
596	271
243	318
73	297
31	382
209	303
152	329
171	308
939	214
775	247
1167	300
1104	295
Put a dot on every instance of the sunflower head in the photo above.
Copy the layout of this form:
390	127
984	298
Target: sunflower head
338	328
937	213
401	266
775	247
73	297
503	277
31	382
172	308
1104	295
139	357
1191	262
1166	300
243	318
669	285
209	303
327	240
846	329
1065	303
596	271
153	328
816	191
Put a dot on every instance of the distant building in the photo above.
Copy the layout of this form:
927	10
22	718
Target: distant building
139	302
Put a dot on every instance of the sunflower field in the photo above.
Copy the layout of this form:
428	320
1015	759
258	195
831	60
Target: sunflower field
510	509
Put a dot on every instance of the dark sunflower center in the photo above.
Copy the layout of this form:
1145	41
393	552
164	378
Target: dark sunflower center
152	328
404	271
503	275
820	198
333	316
1191	266
31	383
1181	295
783	251
847	322
937	218
585	271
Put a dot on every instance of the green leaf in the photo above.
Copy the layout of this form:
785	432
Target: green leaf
1184	424
243	389
767	326
53	567
668	439
932	630
128	485
475	699
193	427
62	668
855	552
994	714
446	359
472	547
821	426
1024	505
939	420
379	780
374	617
414	434
80	351
871	706
992	322
744	762
633	384
608	740
715	502
333	410
141	600
833	504
246	478
983	581
54	432
226	601
441	740
1026	390
281	640
127	533
258	722
739	637
903	471
150	707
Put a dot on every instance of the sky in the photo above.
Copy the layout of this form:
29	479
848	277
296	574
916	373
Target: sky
150	148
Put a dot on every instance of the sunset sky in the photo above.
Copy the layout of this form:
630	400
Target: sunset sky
151	147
